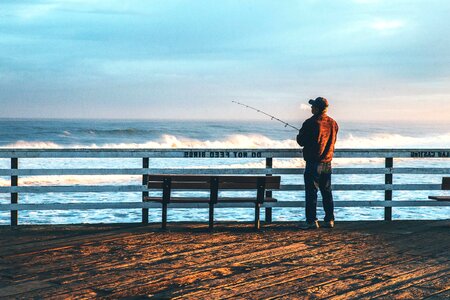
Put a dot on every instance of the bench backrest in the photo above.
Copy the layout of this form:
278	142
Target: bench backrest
224	182
446	183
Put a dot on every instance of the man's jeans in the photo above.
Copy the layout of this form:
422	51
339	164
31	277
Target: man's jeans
318	176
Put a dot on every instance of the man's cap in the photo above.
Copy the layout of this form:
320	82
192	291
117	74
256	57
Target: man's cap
319	102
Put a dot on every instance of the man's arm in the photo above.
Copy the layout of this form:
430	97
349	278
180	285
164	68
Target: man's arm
302	135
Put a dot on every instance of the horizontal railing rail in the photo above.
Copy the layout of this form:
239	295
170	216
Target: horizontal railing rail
210	171
217	153
143	188
132	205
385	155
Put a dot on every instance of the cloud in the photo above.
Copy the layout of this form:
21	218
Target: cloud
305	107
55	51
47	9
387	25
35	11
367	1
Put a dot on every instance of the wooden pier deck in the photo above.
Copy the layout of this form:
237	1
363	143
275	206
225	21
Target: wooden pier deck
364	260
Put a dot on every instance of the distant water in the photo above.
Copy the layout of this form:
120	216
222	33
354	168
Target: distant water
187	134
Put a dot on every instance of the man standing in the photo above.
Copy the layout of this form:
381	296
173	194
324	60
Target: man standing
317	137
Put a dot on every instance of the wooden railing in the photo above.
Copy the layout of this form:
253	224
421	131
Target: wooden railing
389	155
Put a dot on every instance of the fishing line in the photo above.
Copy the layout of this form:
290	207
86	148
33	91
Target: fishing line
264	113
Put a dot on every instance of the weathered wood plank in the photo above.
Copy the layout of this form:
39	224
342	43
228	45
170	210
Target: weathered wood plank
185	241
375	253
442	295
421	290
191	262
12	290
79	274
53	262
127	242
309	283
300	266
399	279
227	258
358	282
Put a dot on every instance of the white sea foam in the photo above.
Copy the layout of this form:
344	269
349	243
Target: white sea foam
387	140
384	140
33	145
233	141
74	180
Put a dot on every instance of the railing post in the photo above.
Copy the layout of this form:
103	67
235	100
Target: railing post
213	197
167	186
268	210
389	163
14	196
145	165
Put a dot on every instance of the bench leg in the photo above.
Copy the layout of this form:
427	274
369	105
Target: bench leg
145	216
257	219
211	216
268	217
164	216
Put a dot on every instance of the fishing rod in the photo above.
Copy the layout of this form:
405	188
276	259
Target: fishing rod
264	113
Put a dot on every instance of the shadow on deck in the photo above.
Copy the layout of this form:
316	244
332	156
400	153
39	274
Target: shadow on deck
399	259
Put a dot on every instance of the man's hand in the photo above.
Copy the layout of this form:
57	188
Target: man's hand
299	139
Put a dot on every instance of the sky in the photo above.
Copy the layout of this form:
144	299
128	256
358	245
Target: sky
374	60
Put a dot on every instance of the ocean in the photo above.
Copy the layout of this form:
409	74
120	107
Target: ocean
29	133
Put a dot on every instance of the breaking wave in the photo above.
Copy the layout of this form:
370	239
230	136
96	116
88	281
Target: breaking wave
33	145
171	141
384	140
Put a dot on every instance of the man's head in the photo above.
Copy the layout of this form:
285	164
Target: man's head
318	105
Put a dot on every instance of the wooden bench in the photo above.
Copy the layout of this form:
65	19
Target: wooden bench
214	184
445	186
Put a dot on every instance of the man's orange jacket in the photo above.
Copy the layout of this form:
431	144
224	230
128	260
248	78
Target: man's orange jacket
317	137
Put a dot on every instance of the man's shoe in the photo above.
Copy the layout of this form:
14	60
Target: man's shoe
329	224
312	225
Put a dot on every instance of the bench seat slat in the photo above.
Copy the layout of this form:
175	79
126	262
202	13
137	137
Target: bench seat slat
201	185
240	186
207	178
248	179
206	200
198	178
180	185
439	198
